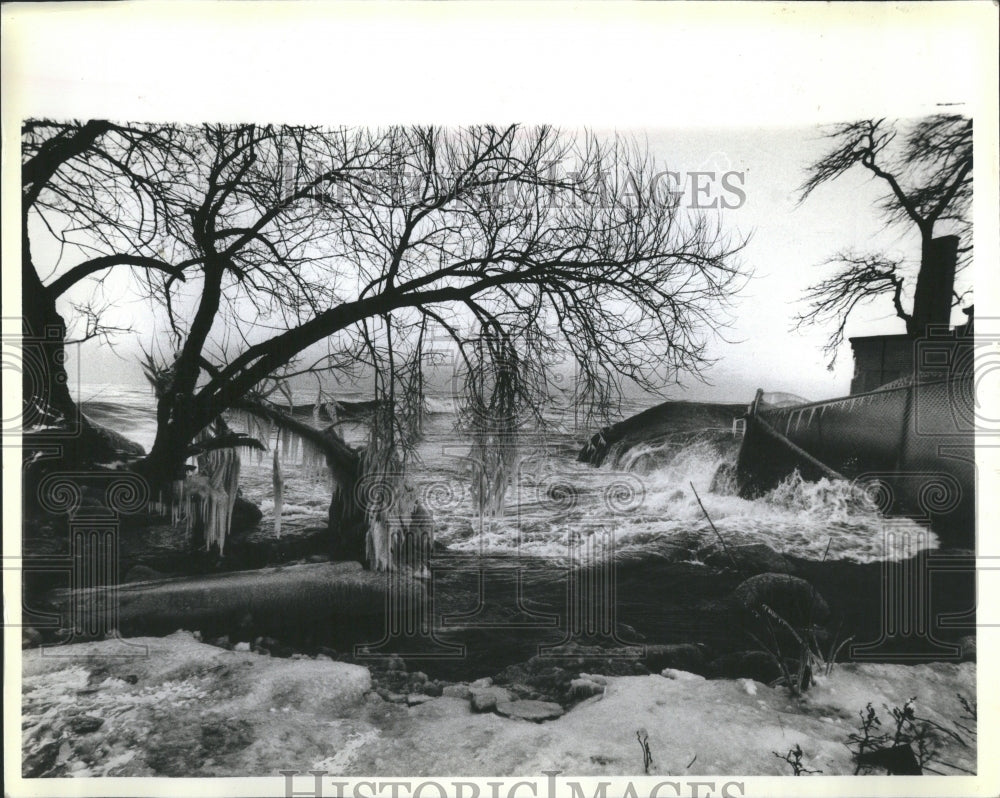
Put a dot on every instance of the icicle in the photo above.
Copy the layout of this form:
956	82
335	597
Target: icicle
225	484
206	498
278	494
177	502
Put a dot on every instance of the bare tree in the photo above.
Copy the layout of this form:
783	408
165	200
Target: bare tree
98	194
523	246
927	171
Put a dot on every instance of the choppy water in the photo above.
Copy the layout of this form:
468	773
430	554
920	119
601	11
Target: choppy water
640	500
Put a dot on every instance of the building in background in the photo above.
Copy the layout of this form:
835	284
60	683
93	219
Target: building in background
881	359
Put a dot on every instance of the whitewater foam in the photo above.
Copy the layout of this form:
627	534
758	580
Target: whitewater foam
641	499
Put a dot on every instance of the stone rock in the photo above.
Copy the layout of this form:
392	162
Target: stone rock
221	642
680	656
519	691
536	711
318	558
793	599
457	691
84	724
418	677
580	689
749	559
30	637
432	689
757	665
141	573
245	514
967	645
540	675
681	676
485	699
396	663
267	643
550	678
486	681
413	699
594	677
243	646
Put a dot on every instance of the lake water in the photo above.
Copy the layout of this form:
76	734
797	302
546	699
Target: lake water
640	501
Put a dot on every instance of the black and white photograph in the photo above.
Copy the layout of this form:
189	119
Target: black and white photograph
404	402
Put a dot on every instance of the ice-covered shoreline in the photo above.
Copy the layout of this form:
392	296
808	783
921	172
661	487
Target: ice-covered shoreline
642	492
181	708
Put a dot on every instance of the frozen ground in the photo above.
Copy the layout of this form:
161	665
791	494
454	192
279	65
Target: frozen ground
182	708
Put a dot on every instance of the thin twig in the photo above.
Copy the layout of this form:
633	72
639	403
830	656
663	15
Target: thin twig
827	552
725	548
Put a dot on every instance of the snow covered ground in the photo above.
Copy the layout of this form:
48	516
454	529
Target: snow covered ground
174	706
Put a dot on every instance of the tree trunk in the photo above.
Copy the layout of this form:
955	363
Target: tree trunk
347	525
932	299
345	517
44	380
404	537
47	400
165	462
45	383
